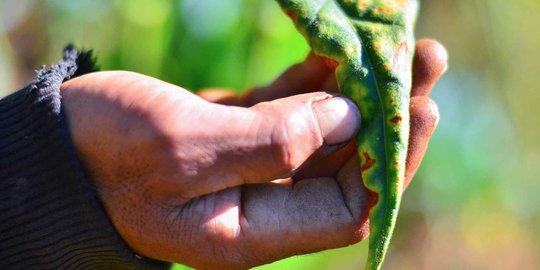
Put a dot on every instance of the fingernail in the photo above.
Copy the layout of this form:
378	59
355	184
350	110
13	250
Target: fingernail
339	119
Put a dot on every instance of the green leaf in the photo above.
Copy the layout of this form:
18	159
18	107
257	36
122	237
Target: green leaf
372	44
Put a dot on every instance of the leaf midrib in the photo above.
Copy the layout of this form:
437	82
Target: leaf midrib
381	105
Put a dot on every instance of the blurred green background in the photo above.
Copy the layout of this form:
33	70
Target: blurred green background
475	203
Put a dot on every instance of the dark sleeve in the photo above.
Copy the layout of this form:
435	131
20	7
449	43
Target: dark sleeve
50	217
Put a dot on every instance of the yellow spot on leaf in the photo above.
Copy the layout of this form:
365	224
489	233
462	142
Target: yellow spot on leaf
363	4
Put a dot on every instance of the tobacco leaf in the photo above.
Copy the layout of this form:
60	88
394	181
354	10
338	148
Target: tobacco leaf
371	42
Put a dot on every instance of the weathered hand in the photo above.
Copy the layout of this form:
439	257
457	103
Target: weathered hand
192	181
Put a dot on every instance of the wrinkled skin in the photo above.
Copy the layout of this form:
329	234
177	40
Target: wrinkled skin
370	42
186	179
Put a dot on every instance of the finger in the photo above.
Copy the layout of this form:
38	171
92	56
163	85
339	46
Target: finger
255	224
221	96
357	197
430	62
337	118
311	216
299	79
424	119
231	146
330	84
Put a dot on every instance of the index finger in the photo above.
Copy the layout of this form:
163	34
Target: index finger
430	62
301	78
314	74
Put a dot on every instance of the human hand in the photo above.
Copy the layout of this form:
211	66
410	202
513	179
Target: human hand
192	181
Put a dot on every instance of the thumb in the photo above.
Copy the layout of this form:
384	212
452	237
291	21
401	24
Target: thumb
302	126
273	139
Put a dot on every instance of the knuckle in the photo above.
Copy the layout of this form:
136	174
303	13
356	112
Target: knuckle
295	137
424	111
281	148
433	111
